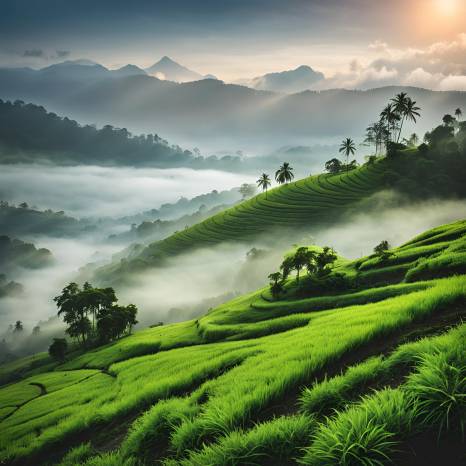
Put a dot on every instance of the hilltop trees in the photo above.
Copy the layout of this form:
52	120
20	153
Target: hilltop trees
284	174
58	349
109	321
276	285
247	190
387	131
347	147
382	251
390	118
448	120
376	134
458	114
264	183
406	109
317	264
333	166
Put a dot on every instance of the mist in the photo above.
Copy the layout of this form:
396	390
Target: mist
95	191
224	270
209	277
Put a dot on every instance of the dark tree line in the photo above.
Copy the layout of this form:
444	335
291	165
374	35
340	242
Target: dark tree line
31	127
35	133
92	313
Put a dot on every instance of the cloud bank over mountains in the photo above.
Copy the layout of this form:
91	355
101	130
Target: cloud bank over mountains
440	66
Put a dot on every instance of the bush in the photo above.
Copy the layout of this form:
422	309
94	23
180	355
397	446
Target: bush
58	349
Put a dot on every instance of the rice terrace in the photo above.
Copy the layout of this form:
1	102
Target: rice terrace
265	266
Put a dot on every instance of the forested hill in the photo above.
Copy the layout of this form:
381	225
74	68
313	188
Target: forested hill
29	133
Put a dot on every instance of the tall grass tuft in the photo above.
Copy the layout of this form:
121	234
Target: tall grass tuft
439	389
366	434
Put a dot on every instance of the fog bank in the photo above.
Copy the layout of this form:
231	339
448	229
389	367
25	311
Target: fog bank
94	191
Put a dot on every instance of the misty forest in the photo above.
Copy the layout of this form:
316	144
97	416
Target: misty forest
248	252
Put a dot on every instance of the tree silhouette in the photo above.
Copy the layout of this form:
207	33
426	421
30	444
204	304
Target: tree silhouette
18	326
458	114
382	250
276	285
109	320
287	266
264	183
400	104
347	147
247	190
333	166
389	118
410	112
284	174
448	120
324	260
58	348
275	277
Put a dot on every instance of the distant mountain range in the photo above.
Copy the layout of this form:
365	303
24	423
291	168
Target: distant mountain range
211	114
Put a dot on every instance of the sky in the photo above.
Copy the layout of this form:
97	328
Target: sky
420	42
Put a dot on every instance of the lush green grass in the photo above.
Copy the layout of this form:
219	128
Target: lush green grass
371	431
216	390
317	201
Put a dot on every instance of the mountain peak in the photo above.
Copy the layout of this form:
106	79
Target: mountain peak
168	69
166	59
299	79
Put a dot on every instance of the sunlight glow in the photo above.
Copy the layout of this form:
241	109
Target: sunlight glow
446	7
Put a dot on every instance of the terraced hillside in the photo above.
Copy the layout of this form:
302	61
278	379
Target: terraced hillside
317	201
370	374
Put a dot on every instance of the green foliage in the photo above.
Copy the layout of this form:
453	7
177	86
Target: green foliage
439	389
76	305
363	434
273	442
214	390
284	174
30	128
58	348
316	200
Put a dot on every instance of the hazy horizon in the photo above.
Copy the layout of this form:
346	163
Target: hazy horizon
357	44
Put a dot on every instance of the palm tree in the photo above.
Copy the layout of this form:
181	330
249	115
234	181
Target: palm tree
400	104
389	117
371	135
284	174
458	114
411	111
264	183
348	147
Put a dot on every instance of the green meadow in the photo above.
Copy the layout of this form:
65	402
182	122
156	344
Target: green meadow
344	377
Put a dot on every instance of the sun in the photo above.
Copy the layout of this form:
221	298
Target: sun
446	7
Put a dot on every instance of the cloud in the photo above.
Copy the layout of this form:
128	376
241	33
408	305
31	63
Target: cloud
90	190
439	66
62	53
453	83
34	53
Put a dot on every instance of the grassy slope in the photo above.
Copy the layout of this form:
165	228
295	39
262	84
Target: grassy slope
251	381
316	201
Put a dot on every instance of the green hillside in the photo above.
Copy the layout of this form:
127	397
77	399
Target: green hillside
369	374
314	201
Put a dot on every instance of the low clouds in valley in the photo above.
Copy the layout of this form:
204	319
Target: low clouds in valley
91	191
